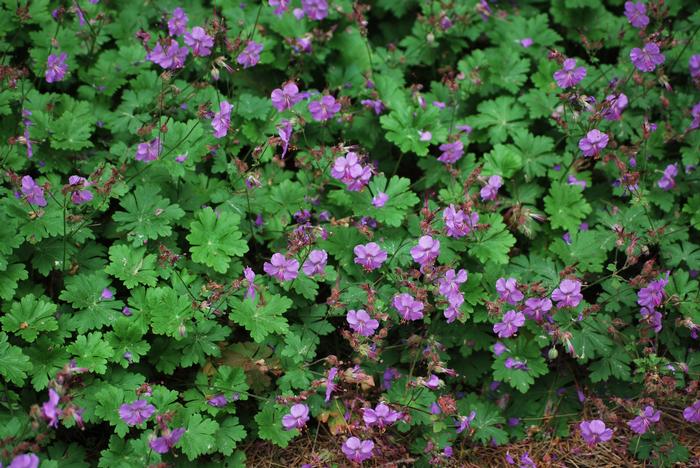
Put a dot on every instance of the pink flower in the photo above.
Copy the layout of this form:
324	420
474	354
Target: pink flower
618	103
527	42
167	440
324	109
449	284
297	417
426	251
508	291
285	97
281	268
200	42
33	191
171	58
408	307
593	143
250	55
56	68
351	172
451	152
595	431
79	197
536	308
569	75
178	22
647	58
222	119
370	256
568	294
433	382
510	324
50	410
281	6
284	130
361	322
25	460
315	263
147	152
357	450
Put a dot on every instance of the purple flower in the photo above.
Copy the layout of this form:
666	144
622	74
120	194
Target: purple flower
297	417
351	172
569	75
50	410
667	180
508	291
380	199
177	24
56	68
618	103
381	416
164	443
79	197
330	386
490	190
149	151
281	6
324	109
315	263
645	420
448	285
568	294
284	130
464	422
636	14
285	97
433	382
499	348
137	412
390	374
512	363
107	294
451	152
315	9
439	104
526	42
200	42
361	322
653	294
222	119
426	251
595	431
653	317
249	275
33	191
572	180
695	113
408	307
375	104
370	256
509	325
425	136
647	58
281	268
593	143
536	308
459	223
26	460
173	57
692	412
250	55
357	450
217	401
694	66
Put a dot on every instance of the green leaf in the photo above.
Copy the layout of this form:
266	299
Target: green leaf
586	248
300	348
29	317
566	206
91	352
14	365
535	153
501	116
404	125
109	399
526	351
168	311
493	244
215	239
147	215
503	161
132	266
9	278
72	130
47	356
592	339
270	428
401	198
616	364
231	379
199	436
229	434
84	293
263	320
126	337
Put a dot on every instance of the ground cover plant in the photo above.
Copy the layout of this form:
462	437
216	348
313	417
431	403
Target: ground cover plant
326	233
